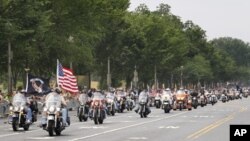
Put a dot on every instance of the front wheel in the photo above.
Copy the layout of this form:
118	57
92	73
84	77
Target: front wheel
51	127
15	124
58	133
26	127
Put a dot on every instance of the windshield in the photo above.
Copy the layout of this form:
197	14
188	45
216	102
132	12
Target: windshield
19	100
179	92
53	100
121	93
83	98
110	96
98	96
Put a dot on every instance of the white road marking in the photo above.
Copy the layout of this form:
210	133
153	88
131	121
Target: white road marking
169	127
41	138
92	127
125	127
138	138
5	135
127	121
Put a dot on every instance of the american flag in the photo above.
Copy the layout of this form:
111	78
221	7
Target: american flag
65	79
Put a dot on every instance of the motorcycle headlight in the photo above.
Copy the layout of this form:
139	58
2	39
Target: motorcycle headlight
51	109
45	109
16	109
58	109
96	103
22	108
11	108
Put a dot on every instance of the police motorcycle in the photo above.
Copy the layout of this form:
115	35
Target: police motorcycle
18	116
111	103
143	108
98	107
166	100
83	110
53	111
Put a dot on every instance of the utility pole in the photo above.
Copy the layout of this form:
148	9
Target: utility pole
108	75
135	79
10	55
181	76
156	87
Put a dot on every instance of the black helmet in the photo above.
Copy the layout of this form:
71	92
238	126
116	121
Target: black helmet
58	90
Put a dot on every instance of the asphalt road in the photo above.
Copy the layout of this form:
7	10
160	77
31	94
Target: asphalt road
210	123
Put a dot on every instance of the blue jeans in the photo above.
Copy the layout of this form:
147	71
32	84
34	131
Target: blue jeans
29	114
64	115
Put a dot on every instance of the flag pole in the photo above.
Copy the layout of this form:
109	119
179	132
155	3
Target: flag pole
57	71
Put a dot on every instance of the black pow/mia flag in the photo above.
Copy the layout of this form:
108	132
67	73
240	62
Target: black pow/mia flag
37	85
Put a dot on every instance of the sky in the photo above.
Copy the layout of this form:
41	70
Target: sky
219	18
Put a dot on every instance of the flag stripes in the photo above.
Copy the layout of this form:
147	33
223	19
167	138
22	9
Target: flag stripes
66	79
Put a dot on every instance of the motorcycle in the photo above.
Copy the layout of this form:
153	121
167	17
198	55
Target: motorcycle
110	104
203	101
182	101
54	115
83	110
129	103
213	99
143	109
166	103
223	98
157	101
121	105
18	114
98	108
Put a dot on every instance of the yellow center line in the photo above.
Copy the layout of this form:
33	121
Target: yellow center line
214	125
206	128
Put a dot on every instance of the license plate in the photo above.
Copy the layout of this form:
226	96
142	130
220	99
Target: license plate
50	117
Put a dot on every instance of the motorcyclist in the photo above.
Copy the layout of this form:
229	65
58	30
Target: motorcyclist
141	95
21	94
99	95
33	107
57	91
83	98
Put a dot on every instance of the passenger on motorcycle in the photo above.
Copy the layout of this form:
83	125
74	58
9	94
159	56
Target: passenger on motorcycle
57	91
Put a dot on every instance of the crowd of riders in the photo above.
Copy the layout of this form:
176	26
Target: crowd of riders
97	104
